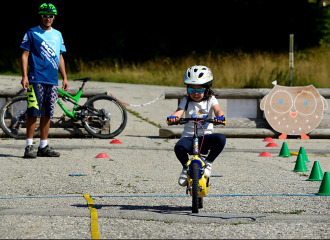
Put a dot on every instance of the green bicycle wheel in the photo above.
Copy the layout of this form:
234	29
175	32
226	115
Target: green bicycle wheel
13	118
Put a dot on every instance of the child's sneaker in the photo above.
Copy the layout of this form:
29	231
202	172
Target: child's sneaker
47	152
29	152
183	178
207	171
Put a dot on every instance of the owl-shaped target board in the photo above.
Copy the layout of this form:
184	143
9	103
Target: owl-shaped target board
293	110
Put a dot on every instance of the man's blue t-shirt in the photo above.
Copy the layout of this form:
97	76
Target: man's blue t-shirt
45	48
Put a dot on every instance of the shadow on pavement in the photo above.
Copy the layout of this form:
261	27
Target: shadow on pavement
166	209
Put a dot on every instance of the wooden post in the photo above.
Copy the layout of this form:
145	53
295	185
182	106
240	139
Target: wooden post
291	58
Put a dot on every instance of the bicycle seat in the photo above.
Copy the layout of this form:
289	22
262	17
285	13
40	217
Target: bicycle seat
83	79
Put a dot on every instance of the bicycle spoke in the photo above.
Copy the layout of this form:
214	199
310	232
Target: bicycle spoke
104	117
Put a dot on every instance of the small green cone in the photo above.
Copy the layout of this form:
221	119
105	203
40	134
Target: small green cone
284	151
303	153
325	185
316	173
300	165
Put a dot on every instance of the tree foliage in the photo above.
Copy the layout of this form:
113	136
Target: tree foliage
138	31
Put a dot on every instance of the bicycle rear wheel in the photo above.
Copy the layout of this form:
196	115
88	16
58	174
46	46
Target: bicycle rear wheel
195	188
104	117
13	118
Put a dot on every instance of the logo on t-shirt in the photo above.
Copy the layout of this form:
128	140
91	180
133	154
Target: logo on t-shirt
200	114
25	38
47	49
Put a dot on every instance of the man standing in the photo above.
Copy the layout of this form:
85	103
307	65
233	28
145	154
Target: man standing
42	49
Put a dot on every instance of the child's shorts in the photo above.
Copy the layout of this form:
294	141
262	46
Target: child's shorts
41	100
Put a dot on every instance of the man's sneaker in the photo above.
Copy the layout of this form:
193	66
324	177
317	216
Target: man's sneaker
47	152
183	178
29	152
207	171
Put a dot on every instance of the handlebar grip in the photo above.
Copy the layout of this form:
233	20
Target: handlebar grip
223	122
168	122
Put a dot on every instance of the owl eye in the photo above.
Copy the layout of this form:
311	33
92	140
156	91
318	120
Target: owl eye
305	103
281	102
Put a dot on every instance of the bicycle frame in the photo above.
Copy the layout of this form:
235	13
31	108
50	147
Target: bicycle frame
75	98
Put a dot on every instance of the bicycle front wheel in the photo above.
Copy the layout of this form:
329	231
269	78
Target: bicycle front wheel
13	118
195	188
104	117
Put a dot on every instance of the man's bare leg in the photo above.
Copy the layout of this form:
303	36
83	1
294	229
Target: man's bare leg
44	127
31	123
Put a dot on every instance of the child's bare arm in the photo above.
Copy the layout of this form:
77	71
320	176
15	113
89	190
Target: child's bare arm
217	110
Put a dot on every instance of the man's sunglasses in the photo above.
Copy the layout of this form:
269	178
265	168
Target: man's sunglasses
198	90
47	16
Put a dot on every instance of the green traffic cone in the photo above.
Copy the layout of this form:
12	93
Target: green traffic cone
325	185
300	165
284	151
303	153
316	173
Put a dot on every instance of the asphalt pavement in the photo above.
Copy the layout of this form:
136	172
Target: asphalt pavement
134	187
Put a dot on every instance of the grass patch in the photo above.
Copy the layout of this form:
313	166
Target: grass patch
168	222
150	220
232	70
292	212
239	223
303	175
136	114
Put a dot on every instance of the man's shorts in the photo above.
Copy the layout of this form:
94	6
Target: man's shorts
41	100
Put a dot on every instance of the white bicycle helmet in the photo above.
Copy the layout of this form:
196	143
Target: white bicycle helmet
198	75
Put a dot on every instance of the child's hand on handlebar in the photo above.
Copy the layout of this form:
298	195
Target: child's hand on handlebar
220	120
172	119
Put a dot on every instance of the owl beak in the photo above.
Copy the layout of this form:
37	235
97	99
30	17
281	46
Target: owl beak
293	114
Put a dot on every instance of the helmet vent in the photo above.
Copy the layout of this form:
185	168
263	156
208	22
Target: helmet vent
188	74
195	70
200	75
204	69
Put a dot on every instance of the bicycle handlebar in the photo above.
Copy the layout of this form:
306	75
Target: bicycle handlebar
186	120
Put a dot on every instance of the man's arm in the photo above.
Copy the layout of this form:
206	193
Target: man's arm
65	84
24	66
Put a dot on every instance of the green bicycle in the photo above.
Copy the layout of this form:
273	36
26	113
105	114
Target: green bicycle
102	116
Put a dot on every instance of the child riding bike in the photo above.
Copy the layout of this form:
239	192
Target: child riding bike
198	103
